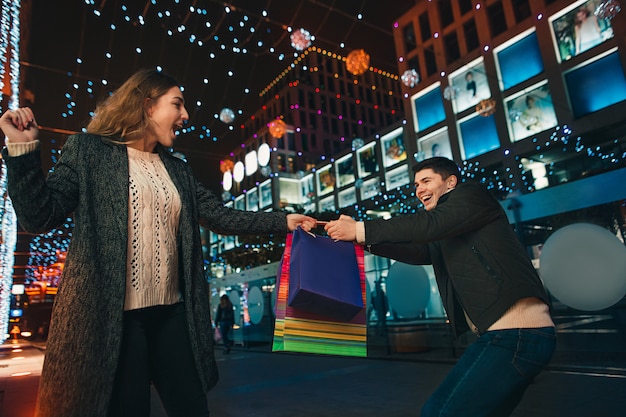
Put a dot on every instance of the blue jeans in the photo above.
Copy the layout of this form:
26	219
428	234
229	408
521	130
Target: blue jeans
492	375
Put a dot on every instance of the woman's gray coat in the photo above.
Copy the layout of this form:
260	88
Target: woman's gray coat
90	181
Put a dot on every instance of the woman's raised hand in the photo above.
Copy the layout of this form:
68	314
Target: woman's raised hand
19	125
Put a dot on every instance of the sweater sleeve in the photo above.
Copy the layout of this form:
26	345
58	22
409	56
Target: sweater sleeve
21	148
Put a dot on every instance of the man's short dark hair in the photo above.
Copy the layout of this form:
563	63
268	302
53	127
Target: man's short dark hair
440	165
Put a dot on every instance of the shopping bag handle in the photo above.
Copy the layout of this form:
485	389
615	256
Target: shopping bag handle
316	236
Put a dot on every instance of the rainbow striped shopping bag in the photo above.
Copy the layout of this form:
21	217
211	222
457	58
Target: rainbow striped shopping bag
324	318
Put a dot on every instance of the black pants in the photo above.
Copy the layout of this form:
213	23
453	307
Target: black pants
225	329
156	348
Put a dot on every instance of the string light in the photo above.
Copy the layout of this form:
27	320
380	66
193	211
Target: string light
9	47
324	52
7	247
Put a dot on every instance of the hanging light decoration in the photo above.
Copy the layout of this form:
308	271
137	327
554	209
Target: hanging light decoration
266	171
226	165
451	92
227	115
227	181
357	62
277	128
357	143
486	107
514	115
239	171
410	78
608	9
264	154
301	39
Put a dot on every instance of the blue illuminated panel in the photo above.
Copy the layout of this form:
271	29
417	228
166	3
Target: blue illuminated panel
520	61
596	85
429	109
479	136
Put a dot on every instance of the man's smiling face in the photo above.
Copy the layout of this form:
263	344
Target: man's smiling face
430	186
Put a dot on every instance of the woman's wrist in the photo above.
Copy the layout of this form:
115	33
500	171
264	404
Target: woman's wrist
21	148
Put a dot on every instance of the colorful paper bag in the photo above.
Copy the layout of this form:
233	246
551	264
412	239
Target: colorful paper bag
324	276
297	330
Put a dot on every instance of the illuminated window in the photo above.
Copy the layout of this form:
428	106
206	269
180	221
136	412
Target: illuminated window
478	136
596	85
519	60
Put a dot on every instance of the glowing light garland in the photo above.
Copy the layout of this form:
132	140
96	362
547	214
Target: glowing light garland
9	35
243	38
7	259
314	49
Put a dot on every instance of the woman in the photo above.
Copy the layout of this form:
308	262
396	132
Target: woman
225	319
132	308
587	30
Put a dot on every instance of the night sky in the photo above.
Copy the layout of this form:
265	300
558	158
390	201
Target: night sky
223	55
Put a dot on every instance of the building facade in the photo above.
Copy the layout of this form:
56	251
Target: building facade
528	97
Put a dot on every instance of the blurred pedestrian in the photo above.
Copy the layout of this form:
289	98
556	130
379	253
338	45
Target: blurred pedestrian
225	319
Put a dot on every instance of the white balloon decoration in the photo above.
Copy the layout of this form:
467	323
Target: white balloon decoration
408	289
584	267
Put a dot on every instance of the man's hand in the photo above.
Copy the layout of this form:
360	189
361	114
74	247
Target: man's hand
342	229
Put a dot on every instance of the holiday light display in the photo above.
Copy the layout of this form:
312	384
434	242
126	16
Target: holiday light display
357	62
608	9
277	128
410	78
9	51
300	39
486	107
451	92
227	115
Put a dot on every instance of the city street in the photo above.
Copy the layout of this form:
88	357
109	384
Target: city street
258	383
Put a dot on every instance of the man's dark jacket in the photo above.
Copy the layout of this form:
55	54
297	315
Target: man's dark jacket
480	264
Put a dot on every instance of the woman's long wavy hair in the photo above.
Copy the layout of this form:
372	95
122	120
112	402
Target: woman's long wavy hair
123	115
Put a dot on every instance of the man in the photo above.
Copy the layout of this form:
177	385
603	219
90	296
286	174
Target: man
486	282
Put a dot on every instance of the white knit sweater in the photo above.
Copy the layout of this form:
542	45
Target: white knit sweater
153	213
